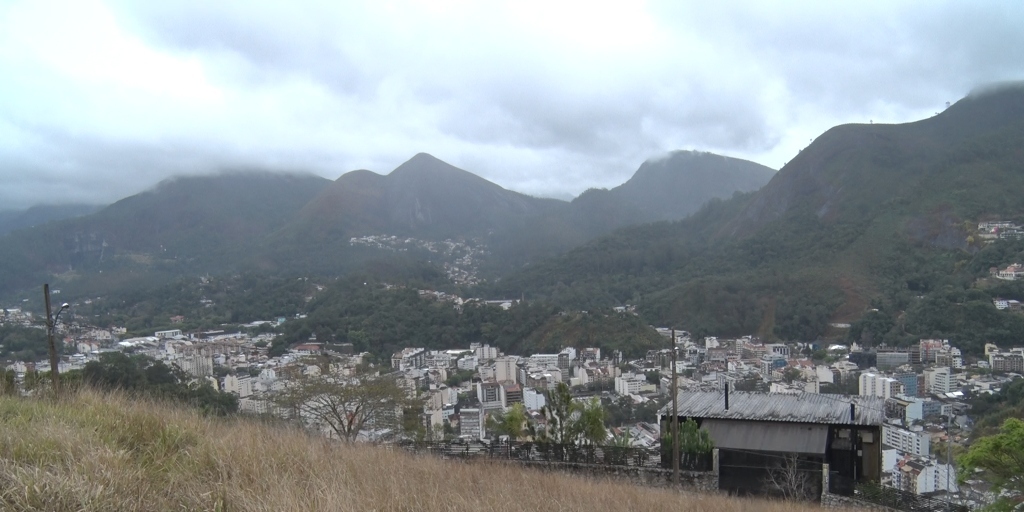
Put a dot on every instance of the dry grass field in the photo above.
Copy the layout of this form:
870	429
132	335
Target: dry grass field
97	452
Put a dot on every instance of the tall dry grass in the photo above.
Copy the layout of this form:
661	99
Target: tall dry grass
93	451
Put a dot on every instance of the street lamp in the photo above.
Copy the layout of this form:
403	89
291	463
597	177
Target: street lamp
51	322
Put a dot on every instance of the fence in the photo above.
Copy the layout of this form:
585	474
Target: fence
889	496
552	453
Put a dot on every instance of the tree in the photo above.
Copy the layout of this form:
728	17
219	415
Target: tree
790	375
692	439
571	422
8	382
558	411
1000	457
693	444
116	370
459	377
790	480
589	425
511	423
345	406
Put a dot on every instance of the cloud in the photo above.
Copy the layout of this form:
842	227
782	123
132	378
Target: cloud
548	98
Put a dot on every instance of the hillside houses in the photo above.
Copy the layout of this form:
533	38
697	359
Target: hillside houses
1011	272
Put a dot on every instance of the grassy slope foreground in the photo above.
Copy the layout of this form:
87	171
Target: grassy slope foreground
102	452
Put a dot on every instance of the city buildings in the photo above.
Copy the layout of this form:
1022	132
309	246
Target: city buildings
907	441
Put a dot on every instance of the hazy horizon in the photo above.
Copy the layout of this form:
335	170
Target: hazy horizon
107	98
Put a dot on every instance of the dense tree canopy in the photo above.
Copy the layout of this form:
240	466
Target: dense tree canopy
22	343
1000	457
142	374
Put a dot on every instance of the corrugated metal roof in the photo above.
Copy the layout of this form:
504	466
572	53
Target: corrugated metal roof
767	436
804	407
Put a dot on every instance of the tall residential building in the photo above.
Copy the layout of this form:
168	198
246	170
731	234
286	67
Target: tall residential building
905	408
486	352
488	392
940	380
921	476
241	386
909	380
907	441
195	365
544	360
872	384
409	358
565	359
505	369
892	358
929	349
471	423
512	393
1006	362
467	363
633	383
533	399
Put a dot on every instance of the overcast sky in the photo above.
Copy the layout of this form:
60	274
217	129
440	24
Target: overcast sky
101	99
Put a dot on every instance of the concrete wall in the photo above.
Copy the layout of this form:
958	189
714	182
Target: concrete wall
829	500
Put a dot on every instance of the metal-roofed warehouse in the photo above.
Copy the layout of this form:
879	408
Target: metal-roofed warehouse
755	431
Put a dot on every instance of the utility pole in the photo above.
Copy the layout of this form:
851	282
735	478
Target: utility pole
675	415
49	338
949	459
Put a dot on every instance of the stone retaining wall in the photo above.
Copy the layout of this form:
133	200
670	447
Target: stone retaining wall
829	500
702	481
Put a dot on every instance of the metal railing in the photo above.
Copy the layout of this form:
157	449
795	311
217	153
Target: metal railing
552	453
889	496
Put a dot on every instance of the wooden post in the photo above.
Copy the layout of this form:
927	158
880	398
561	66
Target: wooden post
49	338
675	415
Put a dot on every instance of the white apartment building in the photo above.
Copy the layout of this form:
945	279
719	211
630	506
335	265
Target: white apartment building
505	369
195	365
254	405
939	380
906	441
873	384
486	352
486	373
924	476
241	386
409	358
533	399
468	363
439	359
544	360
633	383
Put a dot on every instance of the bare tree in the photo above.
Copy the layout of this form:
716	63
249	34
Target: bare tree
793	483
345	406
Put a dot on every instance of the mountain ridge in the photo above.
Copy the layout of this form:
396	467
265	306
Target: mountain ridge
294	222
868	217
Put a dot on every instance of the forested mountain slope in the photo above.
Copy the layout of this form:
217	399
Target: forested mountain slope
866	215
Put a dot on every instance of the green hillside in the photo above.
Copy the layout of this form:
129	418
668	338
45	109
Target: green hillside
12	220
301	225
183	226
866	217
382	319
668	188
